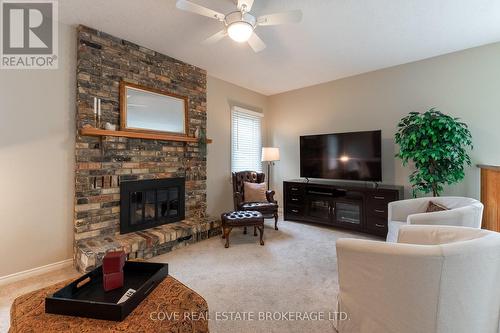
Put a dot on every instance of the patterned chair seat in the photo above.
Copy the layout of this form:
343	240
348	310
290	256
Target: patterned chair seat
263	207
242	219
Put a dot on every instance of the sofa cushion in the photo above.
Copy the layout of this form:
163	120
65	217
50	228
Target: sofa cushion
254	192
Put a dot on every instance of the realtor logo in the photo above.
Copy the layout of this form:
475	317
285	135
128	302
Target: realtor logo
29	34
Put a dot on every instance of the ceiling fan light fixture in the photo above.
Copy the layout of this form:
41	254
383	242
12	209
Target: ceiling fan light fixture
240	24
240	31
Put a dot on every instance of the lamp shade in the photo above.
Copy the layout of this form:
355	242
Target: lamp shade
270	154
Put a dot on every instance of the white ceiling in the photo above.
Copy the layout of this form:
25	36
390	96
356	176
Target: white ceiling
336	38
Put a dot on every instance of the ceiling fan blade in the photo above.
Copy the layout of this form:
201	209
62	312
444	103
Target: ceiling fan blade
247	3
197	9
293	16
215	37
256	43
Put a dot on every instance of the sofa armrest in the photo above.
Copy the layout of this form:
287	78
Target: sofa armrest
469	216
382	284
270	196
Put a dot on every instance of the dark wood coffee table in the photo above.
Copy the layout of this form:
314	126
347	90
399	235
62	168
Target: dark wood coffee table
242	219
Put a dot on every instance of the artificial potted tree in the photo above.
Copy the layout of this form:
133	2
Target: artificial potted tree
437	144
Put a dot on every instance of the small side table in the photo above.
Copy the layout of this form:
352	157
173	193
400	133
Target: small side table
242	219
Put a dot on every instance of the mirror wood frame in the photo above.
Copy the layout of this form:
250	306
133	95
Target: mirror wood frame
123	109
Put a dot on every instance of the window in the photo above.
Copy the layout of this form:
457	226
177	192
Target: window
246	140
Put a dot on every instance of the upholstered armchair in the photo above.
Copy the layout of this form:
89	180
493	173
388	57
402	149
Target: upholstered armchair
462	212
269	208
435	279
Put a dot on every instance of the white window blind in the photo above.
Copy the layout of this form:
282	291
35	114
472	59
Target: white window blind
246	140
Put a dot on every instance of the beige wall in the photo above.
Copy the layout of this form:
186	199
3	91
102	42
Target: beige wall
464	84
221	96
36	162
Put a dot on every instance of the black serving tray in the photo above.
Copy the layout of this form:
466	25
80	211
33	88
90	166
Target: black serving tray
86	297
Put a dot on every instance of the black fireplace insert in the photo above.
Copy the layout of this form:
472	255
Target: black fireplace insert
149	203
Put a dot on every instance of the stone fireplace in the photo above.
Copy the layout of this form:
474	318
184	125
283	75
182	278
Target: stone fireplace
149	203
106	166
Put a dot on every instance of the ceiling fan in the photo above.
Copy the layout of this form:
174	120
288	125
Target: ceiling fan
239	25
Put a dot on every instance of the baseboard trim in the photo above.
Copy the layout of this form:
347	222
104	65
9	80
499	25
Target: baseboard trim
35	271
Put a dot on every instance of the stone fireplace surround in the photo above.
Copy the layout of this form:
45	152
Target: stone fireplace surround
102	163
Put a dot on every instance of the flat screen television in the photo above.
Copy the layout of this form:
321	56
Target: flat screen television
343	156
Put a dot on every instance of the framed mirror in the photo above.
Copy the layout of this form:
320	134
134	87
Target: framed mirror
145	109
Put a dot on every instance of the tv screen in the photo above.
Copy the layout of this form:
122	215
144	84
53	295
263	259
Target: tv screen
345	156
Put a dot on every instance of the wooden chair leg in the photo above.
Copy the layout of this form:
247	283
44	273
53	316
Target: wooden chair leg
255	230
227	231
261	231
276	221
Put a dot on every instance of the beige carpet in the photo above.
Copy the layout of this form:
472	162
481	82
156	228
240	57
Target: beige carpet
296	271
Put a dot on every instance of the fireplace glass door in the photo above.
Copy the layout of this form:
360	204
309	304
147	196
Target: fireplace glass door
148	203
136	208
168	203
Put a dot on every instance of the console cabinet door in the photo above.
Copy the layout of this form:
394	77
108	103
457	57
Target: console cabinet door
348	214
319	209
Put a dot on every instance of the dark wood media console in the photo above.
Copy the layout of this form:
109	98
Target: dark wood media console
356	206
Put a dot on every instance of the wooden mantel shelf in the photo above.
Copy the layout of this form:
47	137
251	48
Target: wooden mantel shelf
138	135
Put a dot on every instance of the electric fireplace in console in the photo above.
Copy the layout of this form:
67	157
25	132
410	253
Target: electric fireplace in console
149	203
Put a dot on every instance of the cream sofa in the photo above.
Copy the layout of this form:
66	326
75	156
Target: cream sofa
436	279
464	212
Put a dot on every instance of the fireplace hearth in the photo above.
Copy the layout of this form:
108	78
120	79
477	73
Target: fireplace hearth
149	203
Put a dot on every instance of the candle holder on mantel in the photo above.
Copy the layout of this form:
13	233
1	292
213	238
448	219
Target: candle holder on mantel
97	112
110	127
